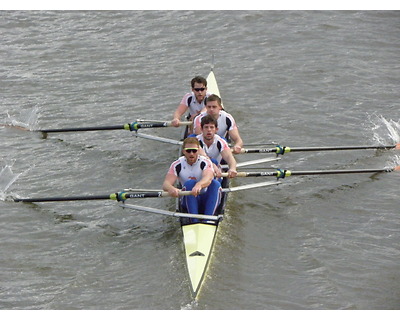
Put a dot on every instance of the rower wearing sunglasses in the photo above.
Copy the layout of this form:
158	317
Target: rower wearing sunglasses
226	123
195	173
193	101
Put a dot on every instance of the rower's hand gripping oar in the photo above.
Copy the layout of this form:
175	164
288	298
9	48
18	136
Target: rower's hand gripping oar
280	150
134	126
281	174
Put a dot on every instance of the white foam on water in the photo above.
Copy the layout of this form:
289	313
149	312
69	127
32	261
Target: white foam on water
8	177
26	119
384	131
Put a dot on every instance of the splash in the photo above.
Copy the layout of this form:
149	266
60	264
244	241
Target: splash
394	162
8	177
384	131
27	120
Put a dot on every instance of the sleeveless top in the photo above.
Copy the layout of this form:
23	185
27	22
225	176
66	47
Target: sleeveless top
184	171
189	100
225	122
214	151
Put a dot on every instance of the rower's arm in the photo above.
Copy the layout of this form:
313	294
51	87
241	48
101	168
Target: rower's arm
207	177
196	125
176	118
235	136
168	185
231	161
229	158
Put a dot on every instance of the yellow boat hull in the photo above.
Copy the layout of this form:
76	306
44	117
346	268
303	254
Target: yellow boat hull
198	240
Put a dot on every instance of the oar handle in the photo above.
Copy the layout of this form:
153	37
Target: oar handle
135	195
139	125
258	150
239	174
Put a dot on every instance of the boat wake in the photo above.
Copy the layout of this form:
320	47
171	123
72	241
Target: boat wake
384	131
27	120
7	178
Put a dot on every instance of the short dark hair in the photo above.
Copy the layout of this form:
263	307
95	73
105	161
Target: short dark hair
207	119
214	97
198	79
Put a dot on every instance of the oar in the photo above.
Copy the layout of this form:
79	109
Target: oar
199	216
280	174
170	213
134	126
250	186
119	196
283	150
14	127
155	138
124	195
251	162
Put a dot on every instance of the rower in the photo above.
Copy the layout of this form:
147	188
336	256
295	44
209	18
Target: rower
216	147
195	173
193	101
226	123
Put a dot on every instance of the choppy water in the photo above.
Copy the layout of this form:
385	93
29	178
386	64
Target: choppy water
297	78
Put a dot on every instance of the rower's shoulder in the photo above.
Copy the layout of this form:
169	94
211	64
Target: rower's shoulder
204	159
198	117
187	98
225	113
177	161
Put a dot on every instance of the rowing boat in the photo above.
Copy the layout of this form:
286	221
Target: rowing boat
199	237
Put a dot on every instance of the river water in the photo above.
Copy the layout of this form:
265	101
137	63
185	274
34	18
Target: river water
297	78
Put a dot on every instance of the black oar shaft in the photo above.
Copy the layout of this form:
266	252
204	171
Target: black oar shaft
73	198
282	150
342	148
128	126
118	127
286	173
119	196
320	172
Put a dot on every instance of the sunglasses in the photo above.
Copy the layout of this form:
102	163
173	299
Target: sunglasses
199	89
191	150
